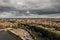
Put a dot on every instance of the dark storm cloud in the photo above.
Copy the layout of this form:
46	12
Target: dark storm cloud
37	8
26	4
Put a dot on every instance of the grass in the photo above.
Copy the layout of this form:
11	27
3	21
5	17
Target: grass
35	34
41	32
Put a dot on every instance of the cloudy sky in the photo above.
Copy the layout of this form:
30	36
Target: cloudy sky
37	8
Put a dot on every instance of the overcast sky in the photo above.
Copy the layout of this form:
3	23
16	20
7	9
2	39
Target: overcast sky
43	8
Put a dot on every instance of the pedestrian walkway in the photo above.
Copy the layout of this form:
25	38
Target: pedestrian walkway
22	33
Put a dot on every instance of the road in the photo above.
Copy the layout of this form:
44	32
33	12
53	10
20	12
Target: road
6	36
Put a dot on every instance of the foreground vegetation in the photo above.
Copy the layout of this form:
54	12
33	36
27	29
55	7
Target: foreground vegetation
39	32
34	32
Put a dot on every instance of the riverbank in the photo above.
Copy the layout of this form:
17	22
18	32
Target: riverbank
20	34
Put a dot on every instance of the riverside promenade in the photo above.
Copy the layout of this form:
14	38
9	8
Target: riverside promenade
22	33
